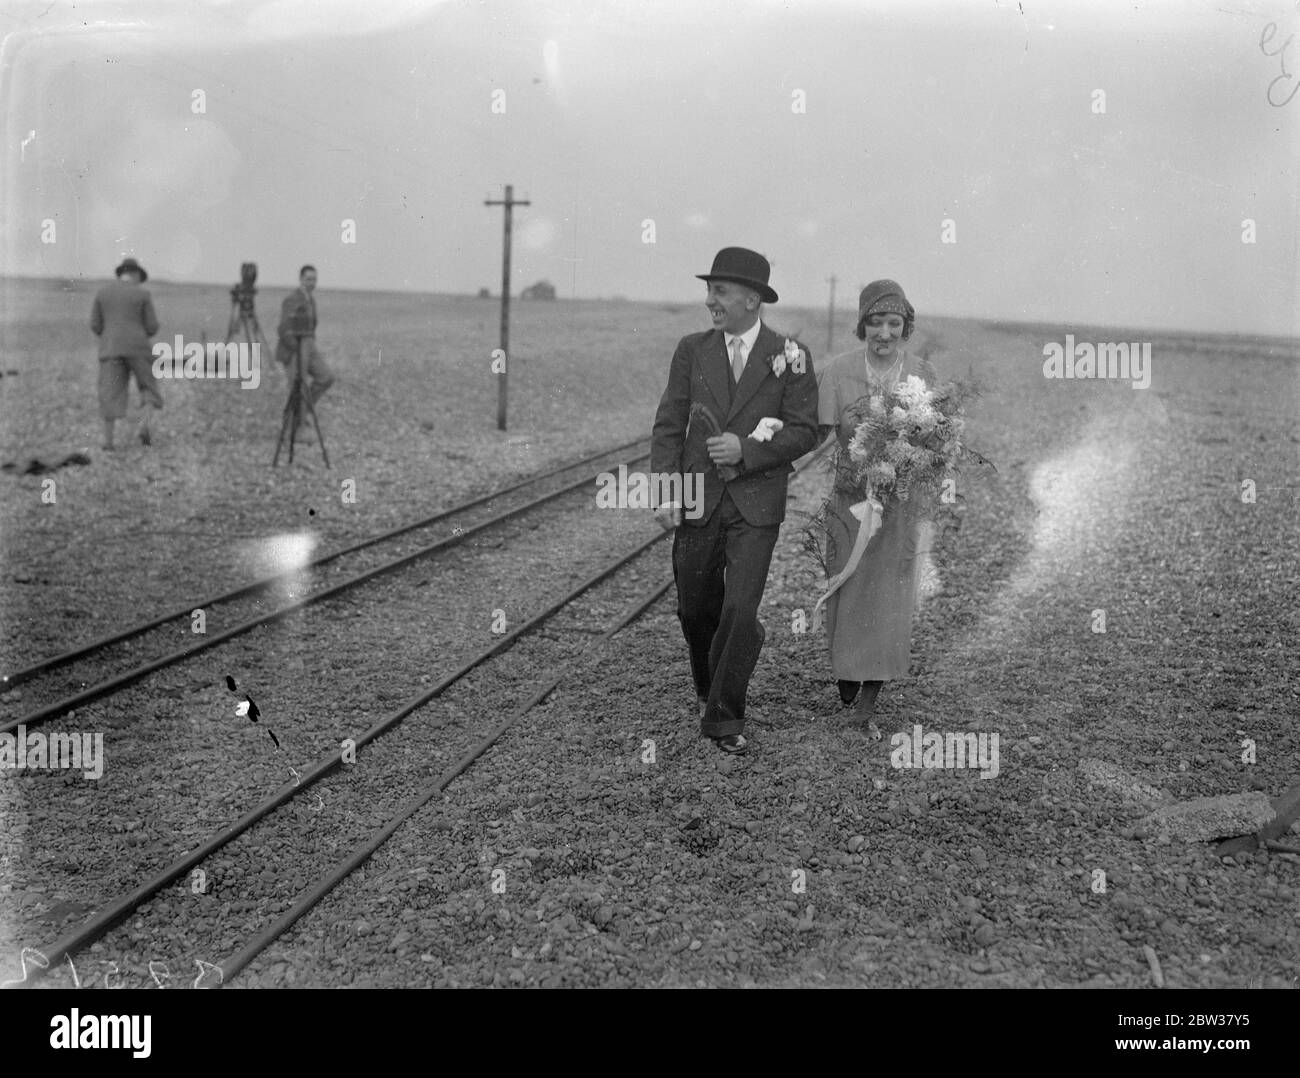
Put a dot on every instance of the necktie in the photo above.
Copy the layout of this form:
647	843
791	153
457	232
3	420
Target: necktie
737	359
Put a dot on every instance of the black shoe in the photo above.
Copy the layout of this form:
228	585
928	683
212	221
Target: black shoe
849	691
735	744
870	693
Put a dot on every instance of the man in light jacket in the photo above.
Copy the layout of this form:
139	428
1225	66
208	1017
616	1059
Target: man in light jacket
123	319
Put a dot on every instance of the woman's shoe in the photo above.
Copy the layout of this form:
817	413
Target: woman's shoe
866	708
870	693
849	691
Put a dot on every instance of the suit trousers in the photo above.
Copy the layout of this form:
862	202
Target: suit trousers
115	381
721	571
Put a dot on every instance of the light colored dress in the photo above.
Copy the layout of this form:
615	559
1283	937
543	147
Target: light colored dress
869	619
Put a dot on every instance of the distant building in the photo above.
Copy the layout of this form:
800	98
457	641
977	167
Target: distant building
483	293
541	290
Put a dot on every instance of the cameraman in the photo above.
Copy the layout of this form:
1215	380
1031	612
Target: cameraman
298	317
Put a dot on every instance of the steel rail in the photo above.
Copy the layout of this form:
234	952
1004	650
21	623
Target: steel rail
102	922
9	681
360	854
129	677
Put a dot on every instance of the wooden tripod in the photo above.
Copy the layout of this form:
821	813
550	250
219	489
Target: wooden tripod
244	316
293	409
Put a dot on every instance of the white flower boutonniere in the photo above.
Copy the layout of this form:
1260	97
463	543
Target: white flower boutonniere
790	356
767	426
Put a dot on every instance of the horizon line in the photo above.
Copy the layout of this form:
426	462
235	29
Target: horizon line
1066	325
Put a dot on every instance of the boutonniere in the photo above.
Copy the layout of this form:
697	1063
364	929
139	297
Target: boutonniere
790	356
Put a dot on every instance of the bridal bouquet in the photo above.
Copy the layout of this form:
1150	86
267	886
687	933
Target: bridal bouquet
906	442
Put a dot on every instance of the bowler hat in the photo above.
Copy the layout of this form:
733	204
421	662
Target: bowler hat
743	267
131	264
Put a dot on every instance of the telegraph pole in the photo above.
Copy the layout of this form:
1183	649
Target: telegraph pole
830	319
509	203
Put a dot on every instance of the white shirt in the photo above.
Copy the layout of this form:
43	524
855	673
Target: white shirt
746	339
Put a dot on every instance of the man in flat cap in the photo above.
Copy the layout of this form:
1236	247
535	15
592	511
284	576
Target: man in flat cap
123	319
736	375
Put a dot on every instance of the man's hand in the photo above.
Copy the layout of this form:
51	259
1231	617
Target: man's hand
724	449
669	516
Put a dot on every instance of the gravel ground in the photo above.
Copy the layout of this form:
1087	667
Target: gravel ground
56	685
811	861
411	419
314	678
683	872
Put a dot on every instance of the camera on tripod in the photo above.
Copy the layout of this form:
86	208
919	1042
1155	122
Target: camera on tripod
244	292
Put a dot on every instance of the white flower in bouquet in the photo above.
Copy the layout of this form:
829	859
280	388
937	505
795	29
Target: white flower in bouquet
899	450
858	444
877	406
926	418
898	414
913	392
881	473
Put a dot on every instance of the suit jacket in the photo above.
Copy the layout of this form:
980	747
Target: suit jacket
123	319
297	315
701	372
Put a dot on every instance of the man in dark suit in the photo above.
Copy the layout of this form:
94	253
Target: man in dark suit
298	317
742	372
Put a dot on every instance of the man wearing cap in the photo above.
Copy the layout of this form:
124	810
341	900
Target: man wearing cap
743	373
123	319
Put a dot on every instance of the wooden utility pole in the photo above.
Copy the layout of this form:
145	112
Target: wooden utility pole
830	319
509	203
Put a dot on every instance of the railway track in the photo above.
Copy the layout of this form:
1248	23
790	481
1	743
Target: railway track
354	782
66	692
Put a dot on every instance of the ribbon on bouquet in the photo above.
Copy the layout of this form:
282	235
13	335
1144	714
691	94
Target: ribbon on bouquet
869	513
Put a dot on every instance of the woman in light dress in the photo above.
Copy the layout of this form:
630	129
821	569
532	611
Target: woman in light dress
869	617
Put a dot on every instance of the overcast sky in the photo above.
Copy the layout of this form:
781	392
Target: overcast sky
837	138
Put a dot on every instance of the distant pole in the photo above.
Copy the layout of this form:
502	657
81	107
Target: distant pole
830	319
509	203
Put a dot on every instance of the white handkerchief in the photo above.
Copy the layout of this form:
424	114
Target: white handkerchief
767	426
